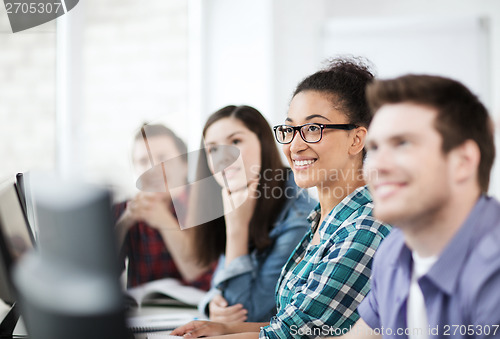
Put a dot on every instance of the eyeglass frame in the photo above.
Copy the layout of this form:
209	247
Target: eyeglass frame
345	127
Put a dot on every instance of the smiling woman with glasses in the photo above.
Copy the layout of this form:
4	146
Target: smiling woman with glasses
327	276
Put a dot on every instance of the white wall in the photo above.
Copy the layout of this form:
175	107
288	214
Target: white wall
418	44
237	54
255	52
297	29
443	8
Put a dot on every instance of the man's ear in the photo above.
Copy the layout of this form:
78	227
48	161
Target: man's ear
466	158
358	140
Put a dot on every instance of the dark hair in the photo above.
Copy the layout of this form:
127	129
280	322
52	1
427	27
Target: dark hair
460	114
154	130
344	80
210	237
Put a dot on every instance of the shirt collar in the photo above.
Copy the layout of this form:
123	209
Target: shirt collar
314	216
343	210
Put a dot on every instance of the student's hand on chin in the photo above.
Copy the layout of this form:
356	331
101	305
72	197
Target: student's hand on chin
152	209
239	205
196	329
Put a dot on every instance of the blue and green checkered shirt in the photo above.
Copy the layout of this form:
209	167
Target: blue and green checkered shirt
321	286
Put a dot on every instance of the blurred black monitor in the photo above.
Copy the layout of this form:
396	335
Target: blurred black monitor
69	287
26	199
15	239
21	191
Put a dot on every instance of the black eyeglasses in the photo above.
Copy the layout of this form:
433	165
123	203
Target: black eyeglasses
310	133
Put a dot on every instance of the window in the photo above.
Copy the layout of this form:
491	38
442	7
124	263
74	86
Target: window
27	98
135	70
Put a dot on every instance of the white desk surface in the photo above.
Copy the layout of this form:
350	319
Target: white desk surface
153	310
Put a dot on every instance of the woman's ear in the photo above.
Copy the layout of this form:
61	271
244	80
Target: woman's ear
358	140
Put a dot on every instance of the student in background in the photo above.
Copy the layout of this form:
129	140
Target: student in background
148	225
430	153
327	276
262	219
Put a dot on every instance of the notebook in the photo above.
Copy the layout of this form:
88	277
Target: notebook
166	291
158	322
161	336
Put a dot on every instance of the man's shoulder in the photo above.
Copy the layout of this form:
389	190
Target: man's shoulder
483	261
390	249
484	247
487	246
480	277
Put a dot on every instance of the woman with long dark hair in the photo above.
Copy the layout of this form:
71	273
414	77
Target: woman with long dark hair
262	214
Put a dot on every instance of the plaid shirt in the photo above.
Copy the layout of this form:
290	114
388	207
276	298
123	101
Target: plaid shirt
321	286
149	259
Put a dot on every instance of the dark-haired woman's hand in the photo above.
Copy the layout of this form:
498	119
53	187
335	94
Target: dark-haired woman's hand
239	207
220	311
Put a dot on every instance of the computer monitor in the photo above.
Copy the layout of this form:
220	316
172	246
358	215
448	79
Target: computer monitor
15	239
21	190
69	287
26	198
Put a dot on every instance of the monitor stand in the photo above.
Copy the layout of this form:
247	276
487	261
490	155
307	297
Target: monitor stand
9	322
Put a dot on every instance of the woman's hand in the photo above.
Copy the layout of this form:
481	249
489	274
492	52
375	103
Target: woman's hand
148	207
221	312
153	209
196	329
239	207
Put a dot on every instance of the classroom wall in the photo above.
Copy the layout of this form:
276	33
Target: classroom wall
255	51
237	60
440	8
242	52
